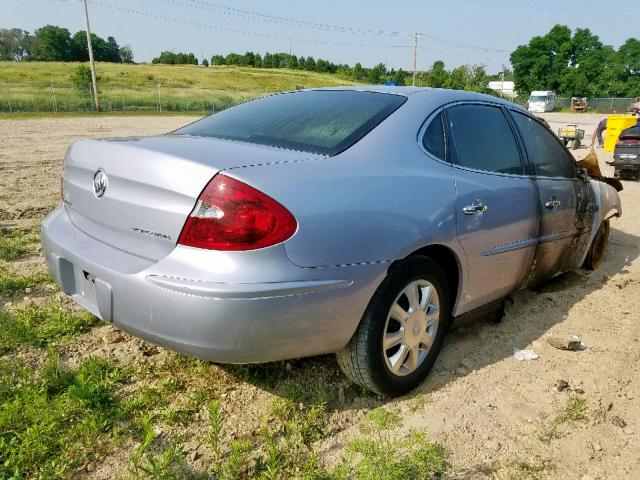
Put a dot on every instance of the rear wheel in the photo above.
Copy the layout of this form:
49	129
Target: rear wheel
595	256
401	331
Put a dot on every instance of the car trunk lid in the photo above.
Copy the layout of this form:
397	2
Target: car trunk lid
152	184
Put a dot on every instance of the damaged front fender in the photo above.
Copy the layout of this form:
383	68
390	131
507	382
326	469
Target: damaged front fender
608	204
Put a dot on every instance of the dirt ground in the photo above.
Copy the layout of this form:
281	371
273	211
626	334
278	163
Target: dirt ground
488	409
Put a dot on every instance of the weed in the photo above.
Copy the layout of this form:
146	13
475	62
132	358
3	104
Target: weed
574	411
382	454
215	427
237	465
167	464
17	244
52	422
264	375
533	468
10	282
41	326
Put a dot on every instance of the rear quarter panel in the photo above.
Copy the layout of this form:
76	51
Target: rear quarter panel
378	201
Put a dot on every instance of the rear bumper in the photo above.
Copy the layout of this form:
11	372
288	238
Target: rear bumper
232	307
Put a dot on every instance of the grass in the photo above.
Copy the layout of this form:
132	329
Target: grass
283	448
17	244
53	421
12	283
56	421
43	86
41	326
384	454
575	410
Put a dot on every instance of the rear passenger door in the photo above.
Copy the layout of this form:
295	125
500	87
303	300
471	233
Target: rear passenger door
497	212
567	202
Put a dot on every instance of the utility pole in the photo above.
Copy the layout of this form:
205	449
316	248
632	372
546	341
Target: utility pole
93	65
415	54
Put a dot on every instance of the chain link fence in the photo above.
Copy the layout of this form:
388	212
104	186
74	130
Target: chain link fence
68	97
113	97
598	105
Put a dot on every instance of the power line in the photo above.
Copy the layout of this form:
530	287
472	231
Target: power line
450	43
234	30
215	7
283	20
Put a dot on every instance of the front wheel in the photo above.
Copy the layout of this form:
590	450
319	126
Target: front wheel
598	247
401	331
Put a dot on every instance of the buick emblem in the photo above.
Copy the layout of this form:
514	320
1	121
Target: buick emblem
100	182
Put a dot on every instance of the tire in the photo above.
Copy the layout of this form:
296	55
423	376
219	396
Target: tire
366	362
598	247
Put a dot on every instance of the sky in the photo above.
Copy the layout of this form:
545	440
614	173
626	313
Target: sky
343	31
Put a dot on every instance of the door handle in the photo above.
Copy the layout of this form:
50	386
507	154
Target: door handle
475	207
551	204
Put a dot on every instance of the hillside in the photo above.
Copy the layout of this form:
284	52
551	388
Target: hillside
47	86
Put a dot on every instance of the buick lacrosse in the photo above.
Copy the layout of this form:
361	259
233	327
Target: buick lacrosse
356	221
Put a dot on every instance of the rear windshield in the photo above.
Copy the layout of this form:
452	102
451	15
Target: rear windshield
320	121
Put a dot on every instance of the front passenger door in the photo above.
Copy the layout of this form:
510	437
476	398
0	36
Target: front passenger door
566	201
496	202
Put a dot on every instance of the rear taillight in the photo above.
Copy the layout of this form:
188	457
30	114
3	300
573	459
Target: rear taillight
231	215
631	140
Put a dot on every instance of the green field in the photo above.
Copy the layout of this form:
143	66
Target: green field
47	86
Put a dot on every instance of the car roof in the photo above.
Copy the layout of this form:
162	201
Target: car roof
378	89
443	94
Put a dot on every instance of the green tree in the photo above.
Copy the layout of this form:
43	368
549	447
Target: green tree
310	64
436	77
112	51
358	72
103	51
205	62
171	58
399	77
629	66
14	44
541	64
126	54
576	64
51	44
377	73
218	60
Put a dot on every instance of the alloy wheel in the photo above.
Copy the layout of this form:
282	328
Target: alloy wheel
411	327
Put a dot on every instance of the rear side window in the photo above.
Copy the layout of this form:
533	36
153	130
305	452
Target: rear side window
546	154
482	139
321	121
433	140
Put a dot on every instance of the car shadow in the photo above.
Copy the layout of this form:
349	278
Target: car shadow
470	347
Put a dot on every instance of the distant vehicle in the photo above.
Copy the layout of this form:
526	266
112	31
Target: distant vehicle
626	157
360	220
579	104
542	101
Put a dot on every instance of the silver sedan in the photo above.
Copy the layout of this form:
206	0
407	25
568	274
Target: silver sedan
361	221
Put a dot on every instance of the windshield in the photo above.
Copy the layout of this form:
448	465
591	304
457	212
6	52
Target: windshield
318	121
538	98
